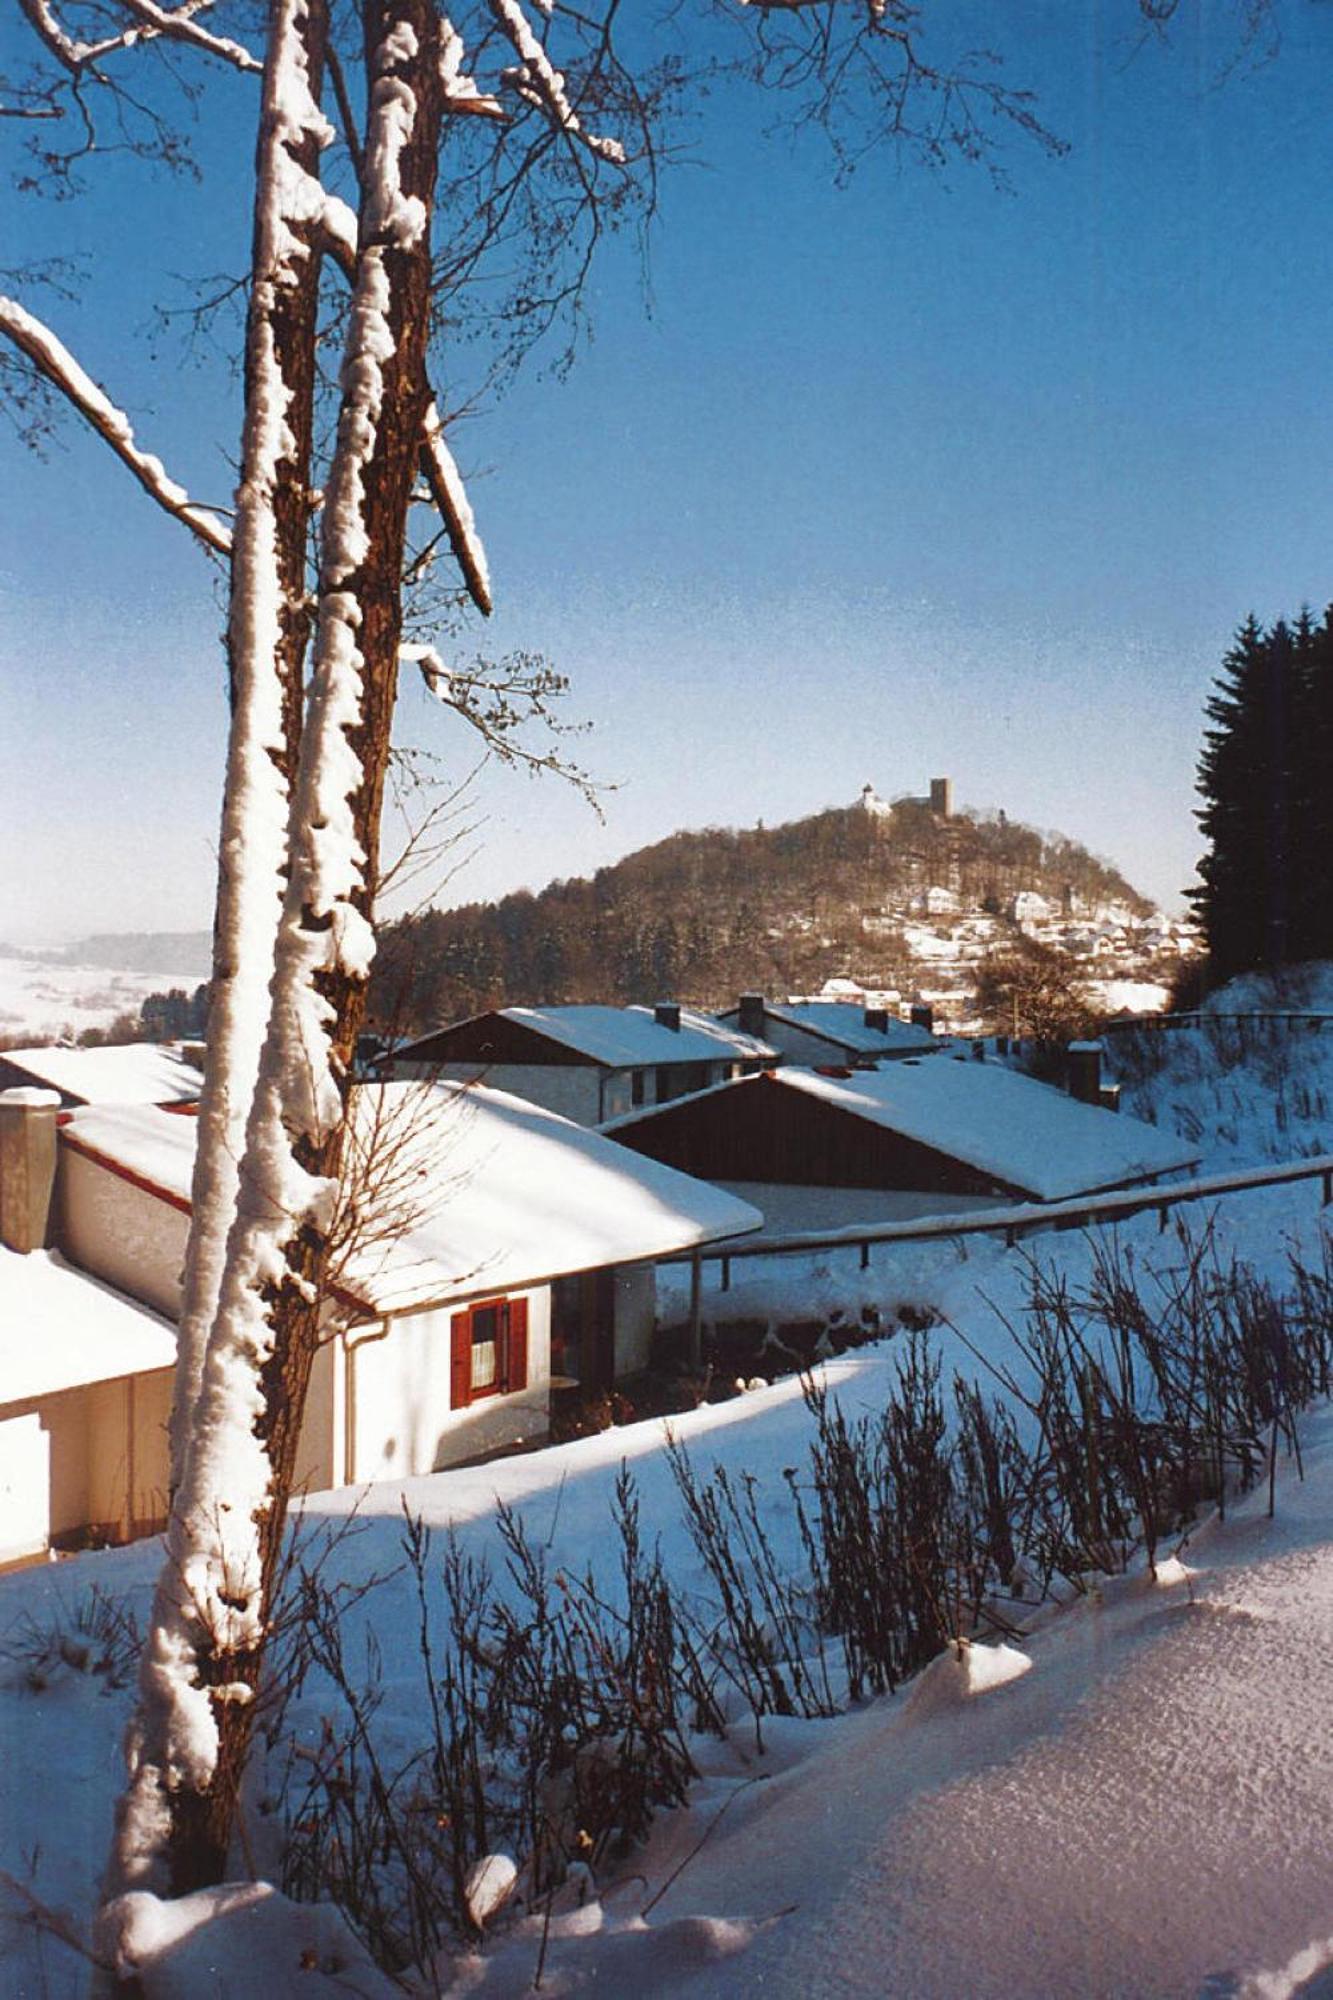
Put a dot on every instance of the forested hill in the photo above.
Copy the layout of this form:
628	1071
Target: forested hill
705	916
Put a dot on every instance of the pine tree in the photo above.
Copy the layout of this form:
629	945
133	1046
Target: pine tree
1312	885
1265	898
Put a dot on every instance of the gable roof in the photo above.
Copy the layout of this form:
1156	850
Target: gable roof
1021	1134
126	1073
843	1026
611	1037
468	1189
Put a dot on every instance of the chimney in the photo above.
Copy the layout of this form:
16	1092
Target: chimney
923	1016
750	1015
1084	1071
941	797
667	1015
877	1020
27	1166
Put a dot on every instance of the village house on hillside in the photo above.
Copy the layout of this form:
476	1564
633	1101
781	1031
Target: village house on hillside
498	1249
918	1137
820	1032
588	1063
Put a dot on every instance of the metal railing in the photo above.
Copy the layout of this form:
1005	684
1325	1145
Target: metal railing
1287	1017
1013	1223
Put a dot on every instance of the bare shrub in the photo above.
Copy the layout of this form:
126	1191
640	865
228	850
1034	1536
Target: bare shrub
765	1641
561	1708
559	1723
98	1635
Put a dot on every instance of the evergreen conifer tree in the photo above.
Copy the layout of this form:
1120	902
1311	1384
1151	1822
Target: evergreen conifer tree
1266	780
1312	859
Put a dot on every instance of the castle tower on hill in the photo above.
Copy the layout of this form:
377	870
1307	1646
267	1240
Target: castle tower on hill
940	800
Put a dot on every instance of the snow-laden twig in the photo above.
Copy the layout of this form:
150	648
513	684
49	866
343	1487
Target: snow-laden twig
53	360
539	83
152	23
177	25
455	509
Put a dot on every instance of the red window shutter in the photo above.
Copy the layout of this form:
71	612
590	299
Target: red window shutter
460	1361
518	1344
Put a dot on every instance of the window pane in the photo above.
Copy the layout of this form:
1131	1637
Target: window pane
487	1332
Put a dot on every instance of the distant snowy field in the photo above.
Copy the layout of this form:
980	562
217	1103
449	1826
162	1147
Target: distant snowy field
42	996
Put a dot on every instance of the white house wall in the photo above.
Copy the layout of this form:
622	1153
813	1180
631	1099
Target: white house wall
319	1452
85	1460
125	1234
399	1417
799	1046
25	1484
127	1453
569	1089
587	1095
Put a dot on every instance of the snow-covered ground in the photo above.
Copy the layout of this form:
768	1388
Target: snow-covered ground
1128	996
1135	1797
1248	1091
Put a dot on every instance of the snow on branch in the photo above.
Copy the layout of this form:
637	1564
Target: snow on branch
55	362
152	22
455	509
176	25
461	94
438	466
539	83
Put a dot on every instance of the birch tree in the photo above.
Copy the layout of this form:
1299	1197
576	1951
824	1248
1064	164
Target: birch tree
551	139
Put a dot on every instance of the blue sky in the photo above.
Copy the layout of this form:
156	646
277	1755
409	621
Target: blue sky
906	478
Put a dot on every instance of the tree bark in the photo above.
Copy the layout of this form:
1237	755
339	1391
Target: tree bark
268	632
233	1502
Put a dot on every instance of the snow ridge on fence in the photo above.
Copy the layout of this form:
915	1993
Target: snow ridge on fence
1080	1212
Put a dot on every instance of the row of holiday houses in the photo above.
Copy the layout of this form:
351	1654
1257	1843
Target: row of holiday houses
517	1178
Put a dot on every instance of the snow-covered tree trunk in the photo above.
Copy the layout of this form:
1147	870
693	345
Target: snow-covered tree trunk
205	1656
267	634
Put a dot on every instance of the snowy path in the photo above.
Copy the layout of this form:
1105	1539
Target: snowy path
1148	1812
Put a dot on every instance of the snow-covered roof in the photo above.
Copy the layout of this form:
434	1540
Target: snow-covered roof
467	1189
845	1024
128	1073
632	1037
61	1328
1025	1134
